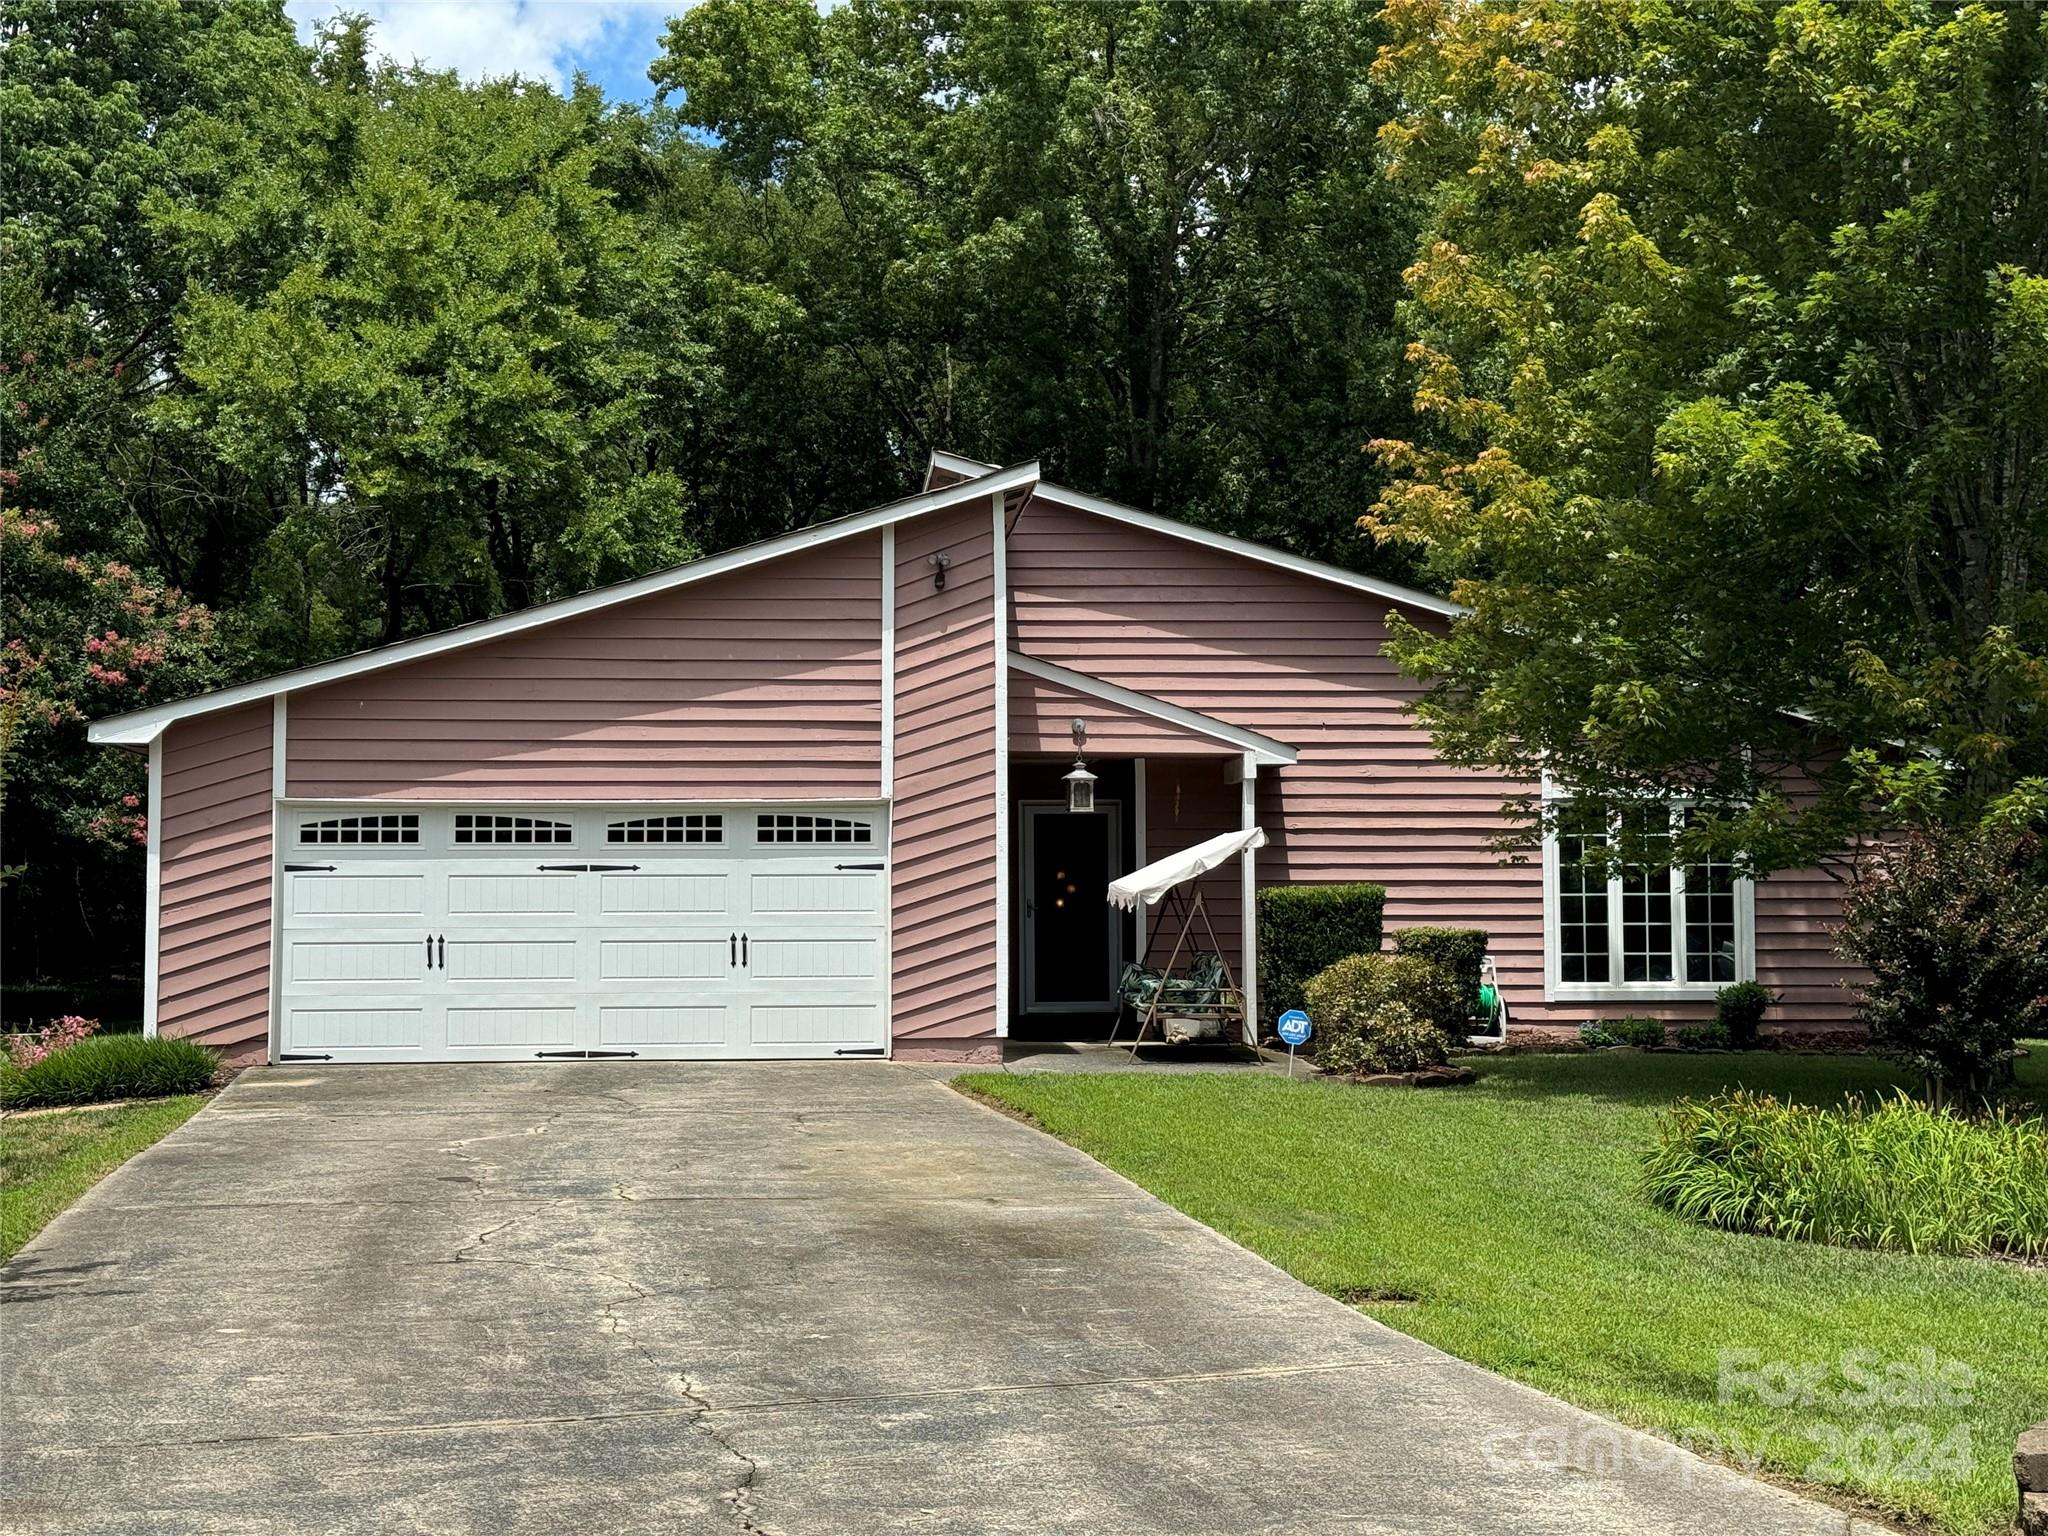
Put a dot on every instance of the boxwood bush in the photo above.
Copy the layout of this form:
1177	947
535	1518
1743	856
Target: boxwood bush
109	1067
1458	950
1901	1176
1383	1013
1304	929
1739	1009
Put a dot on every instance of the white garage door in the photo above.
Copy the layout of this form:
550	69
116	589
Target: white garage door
495	934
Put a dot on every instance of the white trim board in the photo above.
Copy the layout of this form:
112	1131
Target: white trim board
140	727
999	642
280	761
1256	747
888	661
153	889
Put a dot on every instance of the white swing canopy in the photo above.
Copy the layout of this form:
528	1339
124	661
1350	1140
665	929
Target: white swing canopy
1147	885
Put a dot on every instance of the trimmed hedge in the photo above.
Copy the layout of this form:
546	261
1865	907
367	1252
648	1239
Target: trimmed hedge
1458	950
1305	929
1900	1176
1383	1013
109	1067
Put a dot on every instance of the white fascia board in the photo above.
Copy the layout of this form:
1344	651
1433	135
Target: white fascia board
143	726
1262	748
954	464
1245	549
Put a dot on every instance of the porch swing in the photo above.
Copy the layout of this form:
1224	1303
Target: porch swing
1197	1002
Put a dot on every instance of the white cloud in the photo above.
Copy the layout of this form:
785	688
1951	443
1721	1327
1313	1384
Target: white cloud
540	39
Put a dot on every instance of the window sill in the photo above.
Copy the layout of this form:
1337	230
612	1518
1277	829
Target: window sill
1636	992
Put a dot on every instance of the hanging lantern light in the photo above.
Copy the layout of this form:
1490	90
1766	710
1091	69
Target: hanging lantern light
1080	783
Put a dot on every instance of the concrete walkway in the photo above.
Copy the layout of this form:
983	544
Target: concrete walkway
609	1297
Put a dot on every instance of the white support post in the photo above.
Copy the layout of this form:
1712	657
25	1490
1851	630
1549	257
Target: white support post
153	891
1140	856
999	649
1248	920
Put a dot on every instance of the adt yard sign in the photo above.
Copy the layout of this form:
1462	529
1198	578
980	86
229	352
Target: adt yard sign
1294	1030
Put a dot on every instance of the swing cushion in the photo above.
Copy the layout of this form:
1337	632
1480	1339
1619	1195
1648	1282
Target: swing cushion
1199	987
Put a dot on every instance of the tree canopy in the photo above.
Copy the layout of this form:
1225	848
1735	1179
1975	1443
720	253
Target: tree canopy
1731	326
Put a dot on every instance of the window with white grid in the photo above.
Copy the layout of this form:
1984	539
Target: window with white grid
475	830
687	827
398	827
1623	918
787	827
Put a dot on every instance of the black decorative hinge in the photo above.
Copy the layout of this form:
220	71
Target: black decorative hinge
860	866
863	1050
301	1056
582	1055
585	869
304	869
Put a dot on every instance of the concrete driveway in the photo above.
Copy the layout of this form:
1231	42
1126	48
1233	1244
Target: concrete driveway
813	1297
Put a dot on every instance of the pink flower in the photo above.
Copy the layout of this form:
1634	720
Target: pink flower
131	801
27	1050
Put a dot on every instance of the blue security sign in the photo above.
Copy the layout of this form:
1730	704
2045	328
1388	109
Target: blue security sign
1294	1027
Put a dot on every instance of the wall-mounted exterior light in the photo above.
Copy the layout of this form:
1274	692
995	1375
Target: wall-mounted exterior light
938	563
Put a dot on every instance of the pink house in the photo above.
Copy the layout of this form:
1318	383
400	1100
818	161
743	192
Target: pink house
803	799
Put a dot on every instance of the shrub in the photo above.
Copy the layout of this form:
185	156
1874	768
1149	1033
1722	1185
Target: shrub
1739	1010
1953	928
1382	1013
1458	950
1644	1034
1901	1176
110	1067
27	1050
1304	929
1704	1037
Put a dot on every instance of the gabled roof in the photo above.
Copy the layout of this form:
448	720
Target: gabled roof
1244	549
142	726
1265	749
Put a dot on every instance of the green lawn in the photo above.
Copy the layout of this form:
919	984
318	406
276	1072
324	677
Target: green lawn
49	1160
1509	1211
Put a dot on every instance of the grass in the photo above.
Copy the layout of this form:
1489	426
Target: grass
1512	1212
49	1160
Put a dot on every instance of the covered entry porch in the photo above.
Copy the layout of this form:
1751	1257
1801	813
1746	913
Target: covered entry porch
1165	778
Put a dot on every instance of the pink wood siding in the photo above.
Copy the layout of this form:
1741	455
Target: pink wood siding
943	839
1300	660
1797	912
214	929
762	684
1042	716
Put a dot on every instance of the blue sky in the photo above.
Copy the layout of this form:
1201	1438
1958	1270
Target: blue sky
612	41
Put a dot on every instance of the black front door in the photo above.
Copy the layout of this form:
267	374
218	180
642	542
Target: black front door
1070	935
